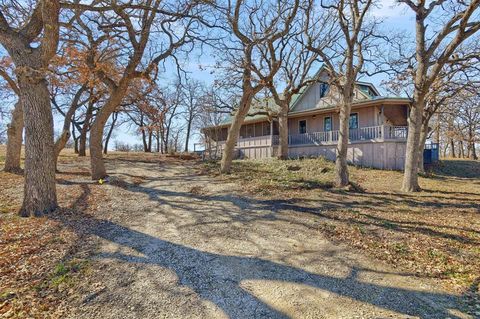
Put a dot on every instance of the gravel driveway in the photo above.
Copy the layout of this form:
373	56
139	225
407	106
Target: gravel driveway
176	244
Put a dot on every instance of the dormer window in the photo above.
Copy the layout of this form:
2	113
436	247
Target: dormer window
367	90
323	89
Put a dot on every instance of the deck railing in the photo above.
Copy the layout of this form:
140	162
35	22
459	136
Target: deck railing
381	132
396	132
360	134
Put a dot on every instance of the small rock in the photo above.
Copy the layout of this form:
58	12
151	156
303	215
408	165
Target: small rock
293	168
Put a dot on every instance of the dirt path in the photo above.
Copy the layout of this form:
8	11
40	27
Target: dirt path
175	244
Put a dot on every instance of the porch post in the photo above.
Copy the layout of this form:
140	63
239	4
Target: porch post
271	137
382	118
271	132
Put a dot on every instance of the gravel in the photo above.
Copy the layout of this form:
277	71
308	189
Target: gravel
175	244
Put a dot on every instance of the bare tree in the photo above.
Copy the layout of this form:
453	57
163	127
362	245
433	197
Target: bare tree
140	113
174	24
455	77
211	114
109	133
251	25
193	92
171	99
296	62
75	103
343	36
466	122
31	44
440	28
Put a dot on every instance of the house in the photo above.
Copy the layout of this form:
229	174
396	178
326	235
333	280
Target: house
378	128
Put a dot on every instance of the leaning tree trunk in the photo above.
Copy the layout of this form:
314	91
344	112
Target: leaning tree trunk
14	140
65	135
283	133
109	134
96	132
410	176
40	193
233	131
341	167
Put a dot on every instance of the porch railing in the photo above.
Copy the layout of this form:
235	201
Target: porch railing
360	134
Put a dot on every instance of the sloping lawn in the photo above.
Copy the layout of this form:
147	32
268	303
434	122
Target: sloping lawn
433	233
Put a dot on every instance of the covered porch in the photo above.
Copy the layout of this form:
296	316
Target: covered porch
381	146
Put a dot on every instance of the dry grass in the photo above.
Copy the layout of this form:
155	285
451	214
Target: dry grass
434	233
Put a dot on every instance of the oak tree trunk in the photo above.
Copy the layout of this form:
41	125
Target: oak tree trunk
65	135
283	134
341	167
150	136
82	151
452	146
423	140
96	132
14	140
96	158
109	134
144	141
187	138
40	193
233	132
410	176
473	152
60	144
75	140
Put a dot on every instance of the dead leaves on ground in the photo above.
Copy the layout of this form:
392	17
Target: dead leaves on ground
35	264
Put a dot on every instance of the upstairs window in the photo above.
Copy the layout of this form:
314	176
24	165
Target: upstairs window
323	89
327	124
367	90
353	123
302	126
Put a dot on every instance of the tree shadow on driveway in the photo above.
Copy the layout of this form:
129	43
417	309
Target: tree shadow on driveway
218	278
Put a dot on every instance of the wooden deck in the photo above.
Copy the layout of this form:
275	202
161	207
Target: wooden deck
375	146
